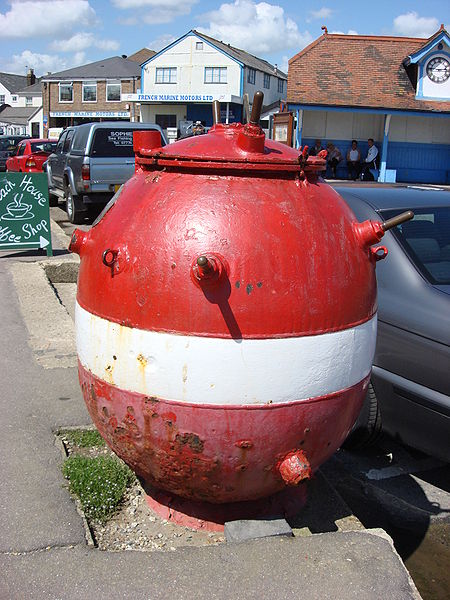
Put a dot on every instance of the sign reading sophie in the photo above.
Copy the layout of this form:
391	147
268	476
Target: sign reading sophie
24	212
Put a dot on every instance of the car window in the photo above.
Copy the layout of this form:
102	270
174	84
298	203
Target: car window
68	141
48	147
113	142
21	149
426	240
80	140
61	141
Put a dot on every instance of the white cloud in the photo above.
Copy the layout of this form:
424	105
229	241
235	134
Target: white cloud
161	42
411	25
322	13
155	12
82	41
42	63
45	18
257	27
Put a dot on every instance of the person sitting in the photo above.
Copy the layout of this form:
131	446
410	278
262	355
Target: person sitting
369	164
314	151
353	161
334	157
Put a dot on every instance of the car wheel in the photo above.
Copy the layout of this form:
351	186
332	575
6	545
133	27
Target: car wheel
73	208
367	428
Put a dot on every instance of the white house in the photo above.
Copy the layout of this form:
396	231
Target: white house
179	83
20	104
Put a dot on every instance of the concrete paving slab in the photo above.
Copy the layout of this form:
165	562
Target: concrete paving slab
67	293
51	331
351	565
243	530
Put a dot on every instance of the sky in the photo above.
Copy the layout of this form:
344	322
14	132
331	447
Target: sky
54	35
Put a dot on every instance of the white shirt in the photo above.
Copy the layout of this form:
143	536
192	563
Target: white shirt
372	154
353	155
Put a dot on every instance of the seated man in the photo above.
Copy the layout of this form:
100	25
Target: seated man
314	151
354	161
334	157
370	162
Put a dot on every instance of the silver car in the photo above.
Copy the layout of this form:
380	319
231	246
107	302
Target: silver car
409	396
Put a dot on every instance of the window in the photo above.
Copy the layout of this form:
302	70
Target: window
68	141
66	92
21	149
266	81
166	75
28	101
2	99
113	91
215	74
280	86
61	141
199	45
165	121
251	76
89	91
47	147
113	142
13	98
426	241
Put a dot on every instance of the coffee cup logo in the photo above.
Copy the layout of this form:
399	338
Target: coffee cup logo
18	210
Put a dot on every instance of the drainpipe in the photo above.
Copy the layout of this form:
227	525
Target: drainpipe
299	129
227	117
384	149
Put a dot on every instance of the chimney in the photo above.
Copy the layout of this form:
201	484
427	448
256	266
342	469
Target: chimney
31	77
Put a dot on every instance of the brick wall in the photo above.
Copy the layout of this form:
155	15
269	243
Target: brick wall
51	103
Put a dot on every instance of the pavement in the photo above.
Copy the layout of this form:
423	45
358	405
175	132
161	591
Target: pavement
43	549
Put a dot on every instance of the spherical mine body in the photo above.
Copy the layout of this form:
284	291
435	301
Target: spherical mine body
226	317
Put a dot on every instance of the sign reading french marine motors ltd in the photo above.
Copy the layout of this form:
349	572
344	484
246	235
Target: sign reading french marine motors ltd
24	212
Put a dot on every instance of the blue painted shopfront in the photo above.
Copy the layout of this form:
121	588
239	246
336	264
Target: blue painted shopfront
412	162
203	113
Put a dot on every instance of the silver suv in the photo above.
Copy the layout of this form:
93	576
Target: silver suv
91	162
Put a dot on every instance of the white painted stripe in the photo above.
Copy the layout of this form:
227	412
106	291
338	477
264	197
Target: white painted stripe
220	371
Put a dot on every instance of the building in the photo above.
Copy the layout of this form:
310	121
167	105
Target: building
180	82
20	104
395	90
92	92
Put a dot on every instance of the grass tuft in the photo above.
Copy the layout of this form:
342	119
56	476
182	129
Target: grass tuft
99	483
83	438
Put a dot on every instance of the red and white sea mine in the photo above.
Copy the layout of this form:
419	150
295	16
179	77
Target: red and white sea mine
226	315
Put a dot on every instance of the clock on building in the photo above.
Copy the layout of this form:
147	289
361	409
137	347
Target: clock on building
438	69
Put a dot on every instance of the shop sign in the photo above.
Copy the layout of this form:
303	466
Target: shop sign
174	98
24	212
90	114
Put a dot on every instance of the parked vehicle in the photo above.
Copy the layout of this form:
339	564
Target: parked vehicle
409	396
30	155
91	162
8	144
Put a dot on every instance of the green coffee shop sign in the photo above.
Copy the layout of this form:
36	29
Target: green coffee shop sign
24	212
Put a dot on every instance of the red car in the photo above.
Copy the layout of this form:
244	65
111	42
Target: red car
30	155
